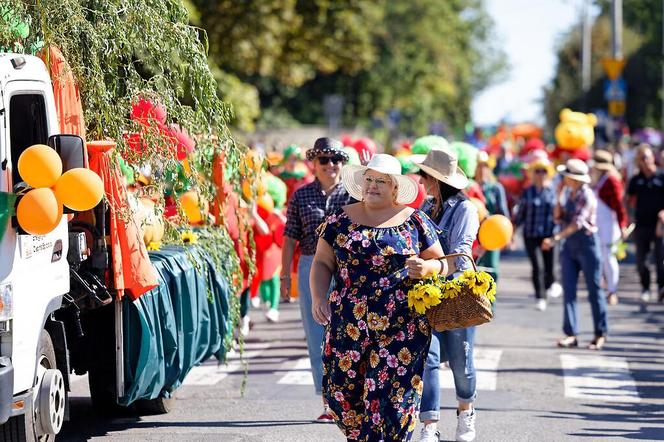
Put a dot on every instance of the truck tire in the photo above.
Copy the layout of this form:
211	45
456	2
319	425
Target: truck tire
102	393
160	405
31	426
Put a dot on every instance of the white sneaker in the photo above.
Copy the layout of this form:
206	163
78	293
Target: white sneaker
541	305
272	315
256	301
645	295
465	431
430	433
245	326
554	291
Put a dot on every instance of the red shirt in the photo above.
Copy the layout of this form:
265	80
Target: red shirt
611	194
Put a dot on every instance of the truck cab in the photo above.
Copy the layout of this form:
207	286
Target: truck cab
34	272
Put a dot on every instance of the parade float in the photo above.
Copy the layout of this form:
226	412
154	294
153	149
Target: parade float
119	187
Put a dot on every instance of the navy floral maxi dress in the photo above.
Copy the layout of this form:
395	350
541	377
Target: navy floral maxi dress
375	346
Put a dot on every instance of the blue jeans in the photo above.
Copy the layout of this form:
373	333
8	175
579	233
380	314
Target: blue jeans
313	331
580	252
455	346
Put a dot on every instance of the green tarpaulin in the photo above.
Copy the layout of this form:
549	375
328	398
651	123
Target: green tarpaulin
175	326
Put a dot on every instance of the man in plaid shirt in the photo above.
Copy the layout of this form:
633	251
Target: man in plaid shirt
307	209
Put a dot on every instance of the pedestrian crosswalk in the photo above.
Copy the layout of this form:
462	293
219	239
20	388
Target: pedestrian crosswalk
586	377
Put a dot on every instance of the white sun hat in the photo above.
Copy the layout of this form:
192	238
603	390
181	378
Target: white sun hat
575	169
352	178
443	165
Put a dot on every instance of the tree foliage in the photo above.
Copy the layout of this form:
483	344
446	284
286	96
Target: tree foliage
426	58
642	43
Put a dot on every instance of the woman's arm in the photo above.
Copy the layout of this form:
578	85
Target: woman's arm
319	281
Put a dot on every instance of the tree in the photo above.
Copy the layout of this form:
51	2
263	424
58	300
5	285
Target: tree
642	51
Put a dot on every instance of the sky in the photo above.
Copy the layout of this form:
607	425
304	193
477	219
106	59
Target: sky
528	31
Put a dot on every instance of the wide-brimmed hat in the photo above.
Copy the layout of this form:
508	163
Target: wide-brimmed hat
443	165
575	169
602	160
327	146
352	178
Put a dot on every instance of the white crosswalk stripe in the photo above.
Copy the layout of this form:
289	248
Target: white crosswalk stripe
604	378
486	367
300	374
211	372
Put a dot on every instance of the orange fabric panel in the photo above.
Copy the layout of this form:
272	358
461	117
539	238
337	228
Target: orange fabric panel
132	271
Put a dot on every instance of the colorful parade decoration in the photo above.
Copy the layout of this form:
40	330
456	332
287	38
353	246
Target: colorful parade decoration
39	211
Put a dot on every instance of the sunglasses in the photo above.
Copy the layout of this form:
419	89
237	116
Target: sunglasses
334	160
541	171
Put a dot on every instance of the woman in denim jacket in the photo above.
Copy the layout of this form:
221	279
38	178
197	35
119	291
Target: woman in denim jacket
458	223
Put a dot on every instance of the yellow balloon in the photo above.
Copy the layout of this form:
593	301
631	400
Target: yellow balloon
79	189
40	166
266	203
495	232
39	211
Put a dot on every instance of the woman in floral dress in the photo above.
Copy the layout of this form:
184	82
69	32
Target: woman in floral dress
375	346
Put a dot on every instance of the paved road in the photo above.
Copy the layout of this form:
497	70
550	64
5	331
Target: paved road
528	389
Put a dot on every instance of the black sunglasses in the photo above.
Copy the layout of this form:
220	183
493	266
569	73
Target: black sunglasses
541	171
335	160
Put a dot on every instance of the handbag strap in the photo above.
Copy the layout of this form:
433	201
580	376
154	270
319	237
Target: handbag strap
465	255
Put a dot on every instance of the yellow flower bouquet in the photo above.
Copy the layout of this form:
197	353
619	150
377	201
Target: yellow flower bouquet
459	303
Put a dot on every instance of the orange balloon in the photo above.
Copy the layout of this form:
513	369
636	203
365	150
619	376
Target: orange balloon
79	189
192	207
40	166
495	232
39	211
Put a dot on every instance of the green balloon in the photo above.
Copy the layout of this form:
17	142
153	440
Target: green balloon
467	155
423	145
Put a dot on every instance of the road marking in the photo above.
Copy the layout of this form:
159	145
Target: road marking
598	378
211	372
300	374
486	368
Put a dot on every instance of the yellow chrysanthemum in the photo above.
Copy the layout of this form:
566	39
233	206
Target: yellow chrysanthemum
478	282
424	296
154	245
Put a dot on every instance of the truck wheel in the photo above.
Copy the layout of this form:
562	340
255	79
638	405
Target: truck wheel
160	405
47	413
102	393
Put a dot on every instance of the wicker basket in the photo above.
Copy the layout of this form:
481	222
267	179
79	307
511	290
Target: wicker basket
465	310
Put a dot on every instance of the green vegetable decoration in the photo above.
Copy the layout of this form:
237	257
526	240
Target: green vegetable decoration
14	30
423	145
6	210
127	172
467	155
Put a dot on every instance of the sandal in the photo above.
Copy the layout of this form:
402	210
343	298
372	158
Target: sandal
568	342
597	343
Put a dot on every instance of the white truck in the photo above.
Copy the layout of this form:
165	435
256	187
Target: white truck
56	315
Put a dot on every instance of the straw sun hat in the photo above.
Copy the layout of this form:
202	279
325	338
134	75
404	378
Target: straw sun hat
352	178
443	165
602	160
576	170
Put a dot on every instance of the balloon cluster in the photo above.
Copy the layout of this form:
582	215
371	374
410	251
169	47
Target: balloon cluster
40	210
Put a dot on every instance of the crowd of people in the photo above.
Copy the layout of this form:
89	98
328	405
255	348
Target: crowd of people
356	238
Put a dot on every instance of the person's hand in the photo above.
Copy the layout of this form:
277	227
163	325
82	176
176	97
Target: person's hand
285	289
547	244
321	311
419	268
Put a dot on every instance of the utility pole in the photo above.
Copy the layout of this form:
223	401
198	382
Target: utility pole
616	29
586	36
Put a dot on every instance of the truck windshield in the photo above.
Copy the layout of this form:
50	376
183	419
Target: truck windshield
27	126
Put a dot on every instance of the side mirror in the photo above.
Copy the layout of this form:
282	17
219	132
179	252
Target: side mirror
70	148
